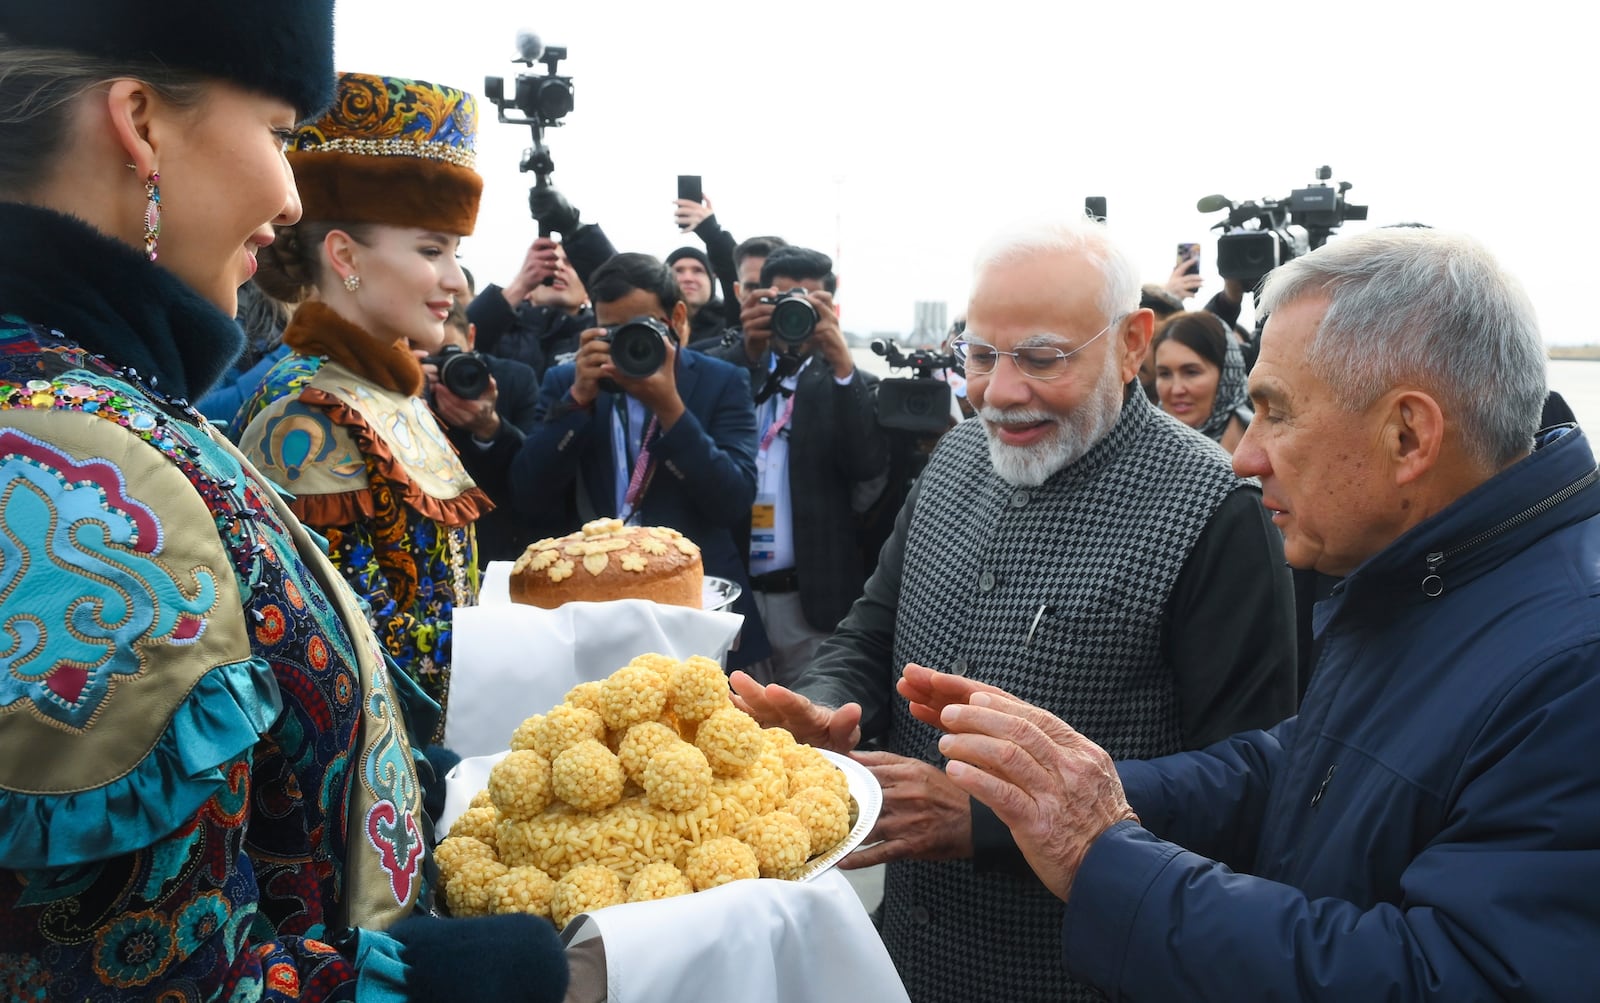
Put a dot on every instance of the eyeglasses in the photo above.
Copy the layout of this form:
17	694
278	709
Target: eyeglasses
1038	363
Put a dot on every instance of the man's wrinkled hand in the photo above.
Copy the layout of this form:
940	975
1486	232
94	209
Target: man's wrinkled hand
925	816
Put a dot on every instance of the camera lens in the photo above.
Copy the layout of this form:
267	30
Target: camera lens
638	348
793	319
465	373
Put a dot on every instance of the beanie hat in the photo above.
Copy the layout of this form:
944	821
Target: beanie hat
393	151
283	47
696	254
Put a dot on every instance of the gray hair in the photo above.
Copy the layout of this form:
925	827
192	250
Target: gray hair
1428	308
1119	294
37	90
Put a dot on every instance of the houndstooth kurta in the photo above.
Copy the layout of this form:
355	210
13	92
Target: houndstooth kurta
1099	547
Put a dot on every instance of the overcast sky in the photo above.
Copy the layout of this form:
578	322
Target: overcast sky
898	136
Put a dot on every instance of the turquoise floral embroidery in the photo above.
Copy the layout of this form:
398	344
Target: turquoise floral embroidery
199	922
65	521
134	950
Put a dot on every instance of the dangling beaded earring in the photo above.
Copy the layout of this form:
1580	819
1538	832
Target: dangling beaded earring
152	214
352	282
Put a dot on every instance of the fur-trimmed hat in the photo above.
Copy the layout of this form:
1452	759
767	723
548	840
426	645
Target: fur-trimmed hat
280	47
393	151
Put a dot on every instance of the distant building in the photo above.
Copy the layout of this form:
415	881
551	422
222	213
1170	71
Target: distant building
931	321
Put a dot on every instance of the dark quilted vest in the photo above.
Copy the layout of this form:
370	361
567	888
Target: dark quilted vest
1099	547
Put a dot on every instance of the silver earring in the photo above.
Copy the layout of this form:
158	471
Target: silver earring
352	282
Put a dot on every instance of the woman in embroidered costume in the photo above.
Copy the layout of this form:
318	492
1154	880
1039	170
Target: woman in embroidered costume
208	788
388	189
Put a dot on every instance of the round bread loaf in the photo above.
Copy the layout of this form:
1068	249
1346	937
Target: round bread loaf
607	560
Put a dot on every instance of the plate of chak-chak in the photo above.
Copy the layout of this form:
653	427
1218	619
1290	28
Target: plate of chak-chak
645	785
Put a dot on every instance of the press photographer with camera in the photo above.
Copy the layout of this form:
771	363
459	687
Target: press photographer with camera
820	439
638	429
487	405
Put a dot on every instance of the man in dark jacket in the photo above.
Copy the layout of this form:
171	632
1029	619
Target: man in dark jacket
1075	544
675	448
691	269
1428	827
538	316
820	441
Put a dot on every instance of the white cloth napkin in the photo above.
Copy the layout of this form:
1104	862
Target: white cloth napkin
777	941
511	661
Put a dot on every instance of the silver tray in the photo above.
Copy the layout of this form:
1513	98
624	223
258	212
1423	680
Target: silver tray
866	798
718	594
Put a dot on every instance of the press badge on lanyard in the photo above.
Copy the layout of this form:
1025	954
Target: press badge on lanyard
764	513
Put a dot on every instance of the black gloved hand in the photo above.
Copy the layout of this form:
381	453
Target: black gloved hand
511	959
554	213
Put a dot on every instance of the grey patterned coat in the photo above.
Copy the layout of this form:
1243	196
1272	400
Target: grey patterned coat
1167	622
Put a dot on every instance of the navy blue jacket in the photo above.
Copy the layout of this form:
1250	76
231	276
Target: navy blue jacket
1428	827
705	480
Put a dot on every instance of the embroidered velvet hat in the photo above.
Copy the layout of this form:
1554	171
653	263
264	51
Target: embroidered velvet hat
393	151
280	47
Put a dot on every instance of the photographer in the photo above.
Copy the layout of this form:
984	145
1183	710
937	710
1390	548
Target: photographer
674	446
537	317
721	262
487	429
819	438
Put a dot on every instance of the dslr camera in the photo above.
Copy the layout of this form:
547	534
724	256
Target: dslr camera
793	316
539	101
1259	236
465	373
638	346
918	404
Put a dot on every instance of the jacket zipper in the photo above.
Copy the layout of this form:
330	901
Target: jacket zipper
1433	584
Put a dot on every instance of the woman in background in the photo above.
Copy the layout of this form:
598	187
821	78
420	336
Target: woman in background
207	786
1200	376
388	187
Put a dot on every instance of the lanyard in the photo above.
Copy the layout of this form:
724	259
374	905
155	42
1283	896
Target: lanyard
643	472
778	424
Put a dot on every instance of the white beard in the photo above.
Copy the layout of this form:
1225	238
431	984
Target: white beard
1074	434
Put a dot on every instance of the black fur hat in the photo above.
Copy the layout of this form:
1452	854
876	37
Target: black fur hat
280	47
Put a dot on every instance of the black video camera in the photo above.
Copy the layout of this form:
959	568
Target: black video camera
794	318
919	404
1259	236
638	346
541	100
465	373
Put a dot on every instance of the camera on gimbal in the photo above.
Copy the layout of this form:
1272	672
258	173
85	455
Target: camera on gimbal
794	318
464	373
919	404
542	101
638	345
1259	236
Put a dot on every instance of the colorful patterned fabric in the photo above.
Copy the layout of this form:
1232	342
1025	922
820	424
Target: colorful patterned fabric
393	151
230	773
374	490
388	116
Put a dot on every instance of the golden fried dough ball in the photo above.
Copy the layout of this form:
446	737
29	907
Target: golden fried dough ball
588	776
825	816
699	689
719	861
640	743
677	777
658	881
631	695
781	842
523	737
468	892
584	889
585	695
731	740
480	823
522	889
450	852
519	785
566	726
